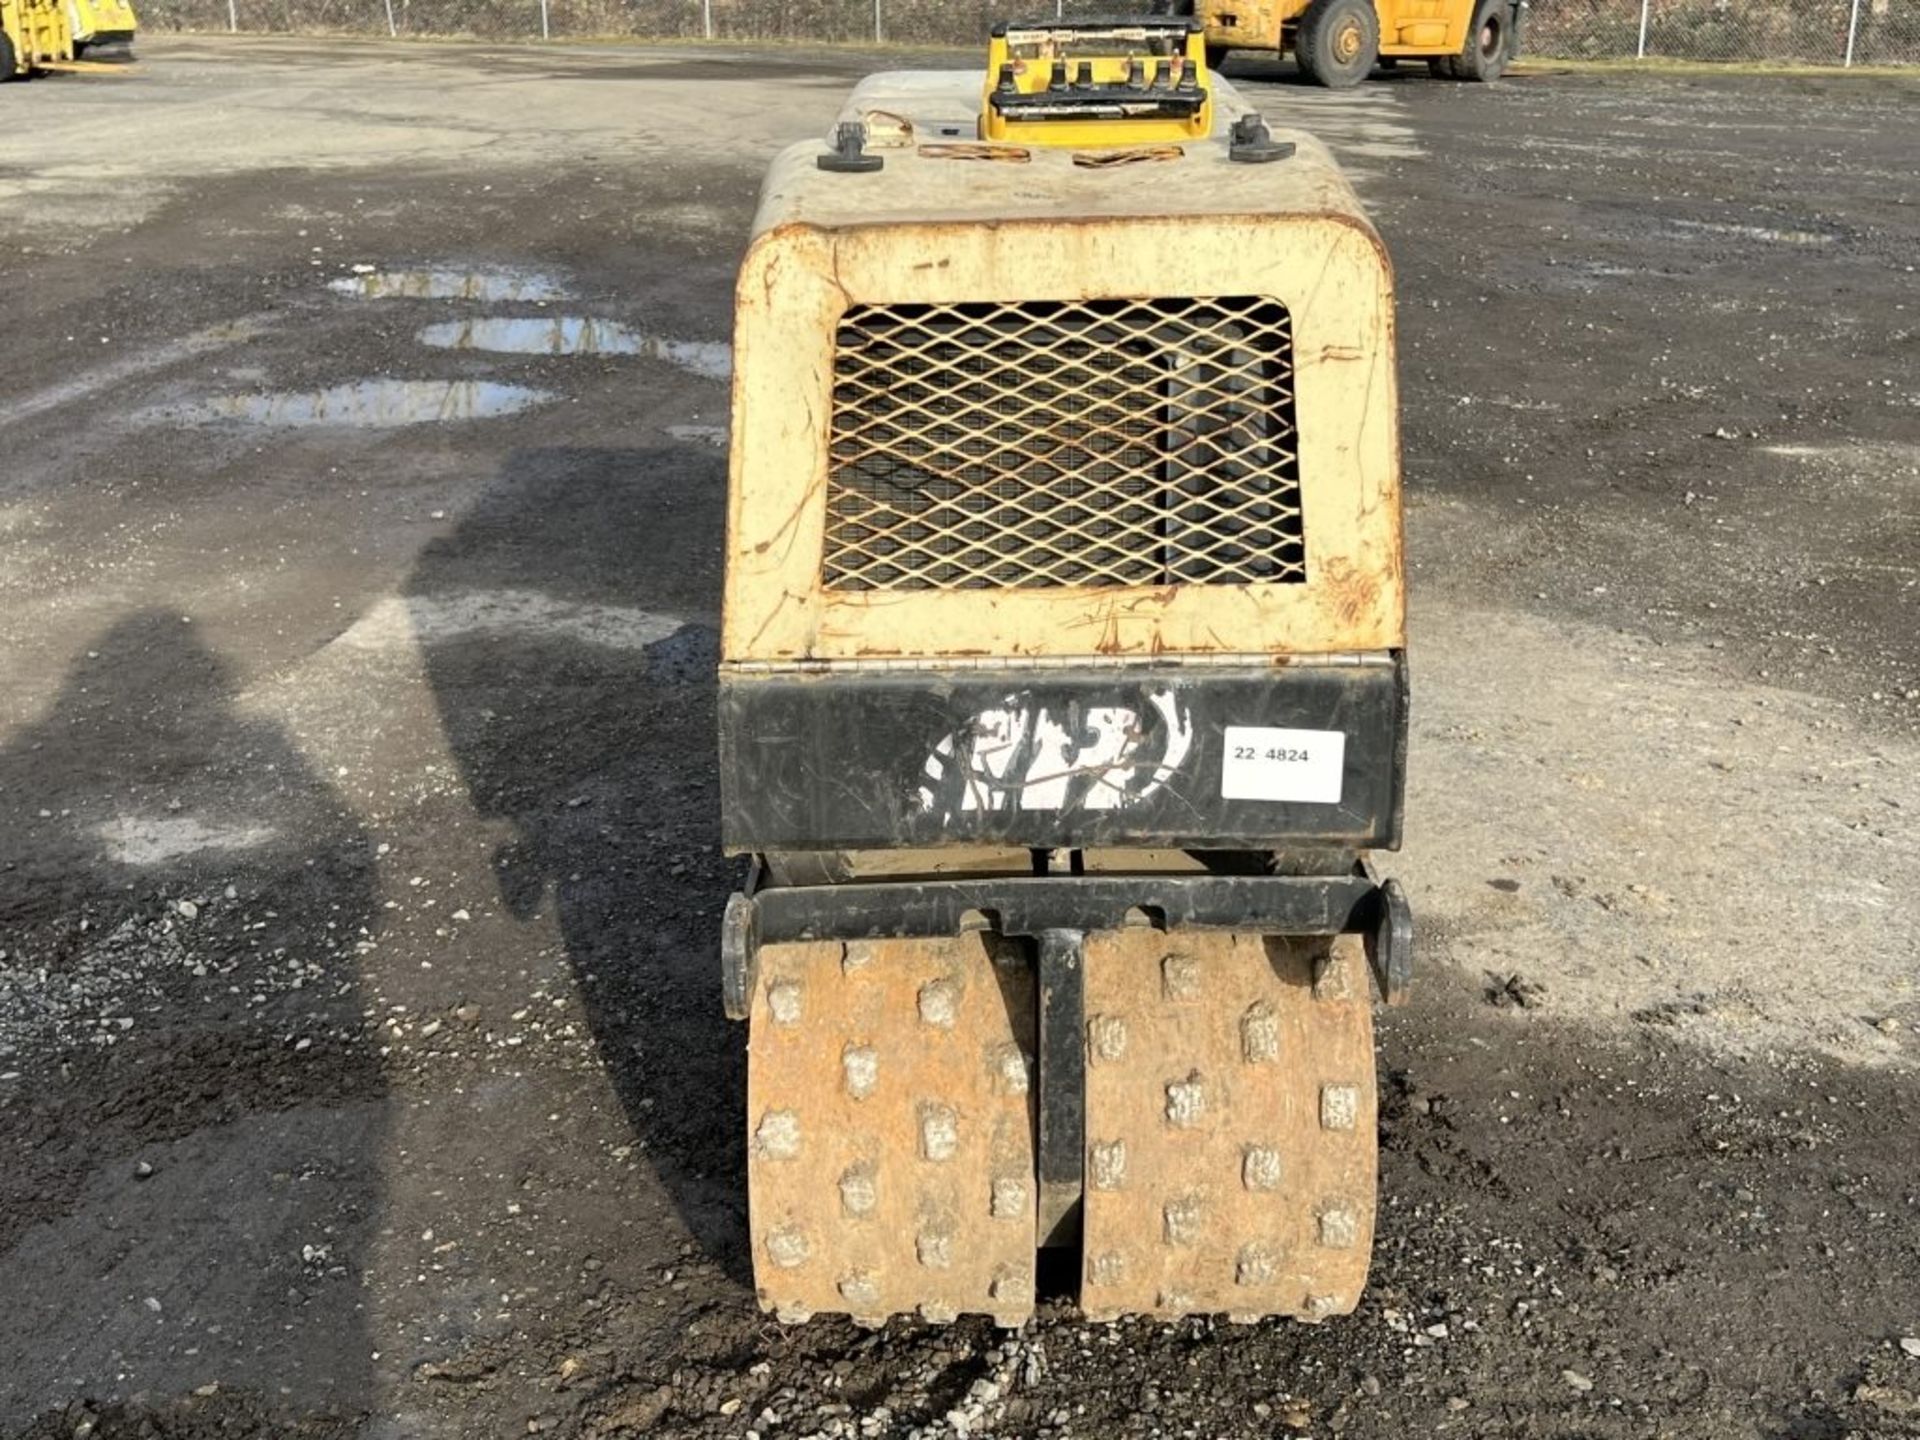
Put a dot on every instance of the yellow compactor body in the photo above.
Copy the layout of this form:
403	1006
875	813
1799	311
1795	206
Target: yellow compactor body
1062	695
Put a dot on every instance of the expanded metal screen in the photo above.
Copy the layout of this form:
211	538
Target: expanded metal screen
1063	443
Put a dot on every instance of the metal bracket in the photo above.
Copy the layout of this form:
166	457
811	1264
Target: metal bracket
1029	905
1390	944
1354	903
739	954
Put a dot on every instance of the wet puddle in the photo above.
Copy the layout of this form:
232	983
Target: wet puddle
577	335
373	404
448	285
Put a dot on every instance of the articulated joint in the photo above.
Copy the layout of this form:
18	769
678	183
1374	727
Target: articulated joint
1061	1146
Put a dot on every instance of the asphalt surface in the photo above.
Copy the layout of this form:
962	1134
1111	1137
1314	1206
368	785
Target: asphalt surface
362	1069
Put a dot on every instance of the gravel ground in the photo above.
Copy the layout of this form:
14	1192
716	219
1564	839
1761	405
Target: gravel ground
361	1063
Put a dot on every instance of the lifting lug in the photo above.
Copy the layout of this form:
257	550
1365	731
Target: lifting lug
849	154
1251	143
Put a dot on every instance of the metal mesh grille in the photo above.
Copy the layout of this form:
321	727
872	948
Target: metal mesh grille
1063	443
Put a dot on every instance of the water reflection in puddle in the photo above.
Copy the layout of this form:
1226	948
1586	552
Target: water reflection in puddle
577	335
448	285
373	404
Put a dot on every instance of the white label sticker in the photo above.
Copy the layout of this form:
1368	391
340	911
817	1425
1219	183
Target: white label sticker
1263	763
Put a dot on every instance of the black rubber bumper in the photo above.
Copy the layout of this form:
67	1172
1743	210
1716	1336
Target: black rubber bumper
1061	758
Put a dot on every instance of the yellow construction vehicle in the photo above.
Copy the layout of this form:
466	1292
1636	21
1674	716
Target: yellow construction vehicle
1062	695
50	34
33	34
101	24
1338	42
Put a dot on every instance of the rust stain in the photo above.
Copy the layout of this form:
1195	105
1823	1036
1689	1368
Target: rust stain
766	272
1105	616
1004	154
772	615
1083	228
788	525
1112	159
839	285
905	124
894	652
1350	593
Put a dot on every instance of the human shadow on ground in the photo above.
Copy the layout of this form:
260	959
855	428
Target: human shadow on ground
191	1125
590	730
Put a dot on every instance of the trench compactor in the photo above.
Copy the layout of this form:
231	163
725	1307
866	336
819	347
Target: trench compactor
1062	695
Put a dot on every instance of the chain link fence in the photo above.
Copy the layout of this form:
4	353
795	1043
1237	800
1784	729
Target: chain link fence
1823	32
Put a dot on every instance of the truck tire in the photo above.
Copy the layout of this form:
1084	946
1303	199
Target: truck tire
8	61
1489	43
1338	42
